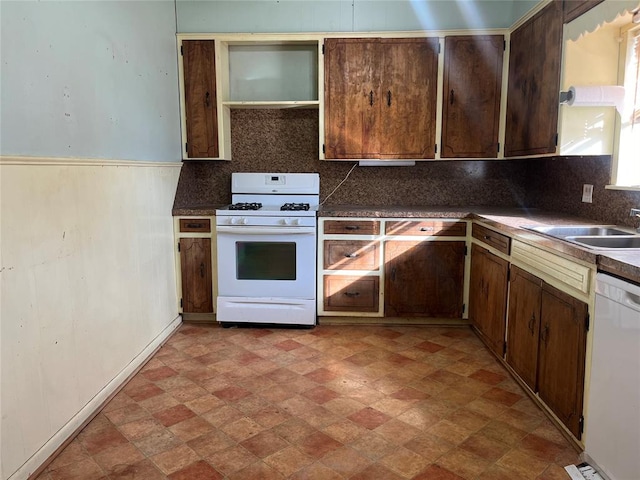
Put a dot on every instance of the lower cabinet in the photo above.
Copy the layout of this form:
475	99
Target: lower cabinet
195	261
546	344
391	267
195	246
424	278
488	297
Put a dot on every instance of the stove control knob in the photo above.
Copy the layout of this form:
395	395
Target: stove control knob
295	221
244	220
285	221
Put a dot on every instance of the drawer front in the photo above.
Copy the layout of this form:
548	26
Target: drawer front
500	242
427	228
546	264
351	255
355	227
351	294
195	225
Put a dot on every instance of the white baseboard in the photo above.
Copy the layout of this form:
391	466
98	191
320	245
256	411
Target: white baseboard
91	408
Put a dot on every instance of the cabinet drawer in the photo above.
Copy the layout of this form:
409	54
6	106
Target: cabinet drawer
351	255
427	227
558	268
500	242
351	294
355	227
195	225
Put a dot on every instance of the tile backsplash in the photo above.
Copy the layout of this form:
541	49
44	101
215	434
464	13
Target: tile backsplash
287	141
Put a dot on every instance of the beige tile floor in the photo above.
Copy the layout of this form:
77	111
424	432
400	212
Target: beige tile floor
333	402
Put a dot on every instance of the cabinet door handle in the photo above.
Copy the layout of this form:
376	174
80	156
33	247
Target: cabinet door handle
206	99
194	225
426	229
545	334
352	227
352	294
389	98
351	255
202	270
532	322
371	98
451	97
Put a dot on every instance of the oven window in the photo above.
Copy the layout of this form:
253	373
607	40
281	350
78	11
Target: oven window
266	260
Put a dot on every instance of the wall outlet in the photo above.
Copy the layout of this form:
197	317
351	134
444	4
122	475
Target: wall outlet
587	193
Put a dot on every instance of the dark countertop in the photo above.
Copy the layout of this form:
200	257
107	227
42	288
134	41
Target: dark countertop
625	264
196	210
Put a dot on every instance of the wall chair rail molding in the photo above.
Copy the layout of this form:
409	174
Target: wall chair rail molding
90	162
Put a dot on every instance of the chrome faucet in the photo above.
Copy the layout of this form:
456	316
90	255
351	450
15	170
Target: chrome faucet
635	212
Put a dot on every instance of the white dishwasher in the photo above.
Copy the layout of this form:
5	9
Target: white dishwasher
613	411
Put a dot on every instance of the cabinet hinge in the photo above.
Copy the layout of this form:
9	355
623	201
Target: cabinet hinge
439	48
464	307
324	148
581	425
436	148
323	49
181	50
186	147
498	146
178	246
587	321
504	45
555	139
466	250
180	303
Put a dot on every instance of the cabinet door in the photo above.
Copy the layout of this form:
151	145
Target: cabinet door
352	97
471	100
524	325
424	278
562	356
200	98
488	297
195	261
407	127
534	84
572	9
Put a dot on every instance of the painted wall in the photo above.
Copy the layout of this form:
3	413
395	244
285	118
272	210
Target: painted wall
266	16
89	79
87	275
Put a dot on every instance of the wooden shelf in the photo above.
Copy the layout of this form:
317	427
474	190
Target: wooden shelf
274	104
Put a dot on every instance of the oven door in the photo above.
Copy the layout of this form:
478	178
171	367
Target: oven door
267	262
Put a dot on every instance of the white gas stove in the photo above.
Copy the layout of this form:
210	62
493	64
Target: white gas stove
267	249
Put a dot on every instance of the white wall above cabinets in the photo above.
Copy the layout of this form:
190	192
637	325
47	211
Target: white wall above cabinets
227	16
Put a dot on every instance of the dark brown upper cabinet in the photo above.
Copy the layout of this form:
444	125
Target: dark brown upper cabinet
380	98
200	104
471	99
572	9
533	91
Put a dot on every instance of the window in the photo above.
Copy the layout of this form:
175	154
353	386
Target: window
626	171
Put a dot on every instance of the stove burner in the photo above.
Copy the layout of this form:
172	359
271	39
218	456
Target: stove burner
295	206
246	206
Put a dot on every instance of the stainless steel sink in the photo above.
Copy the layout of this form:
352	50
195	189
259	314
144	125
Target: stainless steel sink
608	242
580	230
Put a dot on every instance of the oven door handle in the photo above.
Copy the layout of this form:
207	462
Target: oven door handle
267	230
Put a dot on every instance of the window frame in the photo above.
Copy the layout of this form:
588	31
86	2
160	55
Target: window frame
630	36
